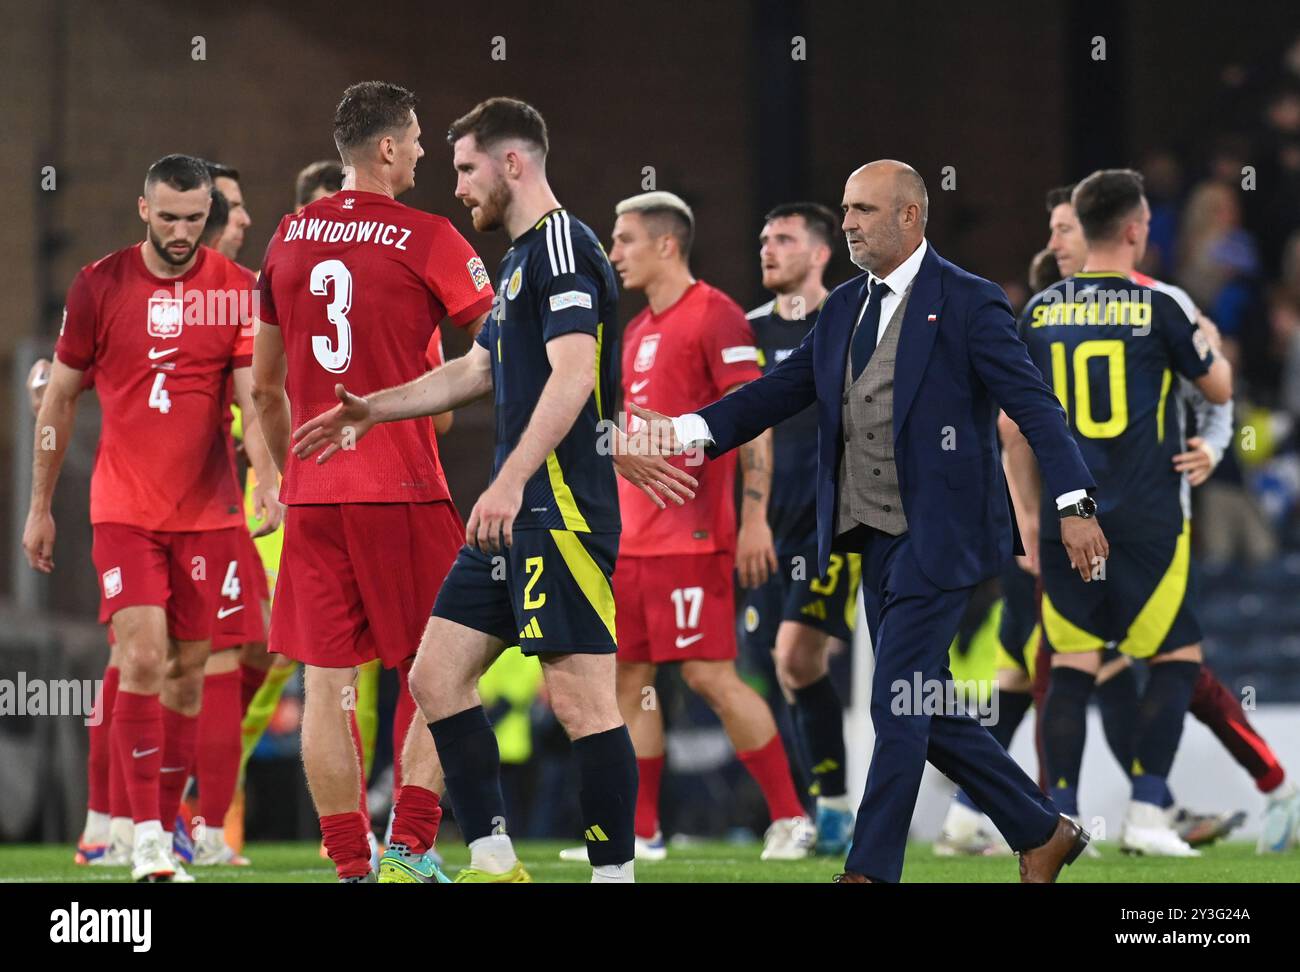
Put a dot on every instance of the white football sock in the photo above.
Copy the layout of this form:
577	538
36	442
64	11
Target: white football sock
149	828
493	853
96	829
613	874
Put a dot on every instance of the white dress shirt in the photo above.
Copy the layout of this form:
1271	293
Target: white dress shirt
693	431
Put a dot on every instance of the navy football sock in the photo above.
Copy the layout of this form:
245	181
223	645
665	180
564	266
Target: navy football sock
1160	726
1117	698
471	764
608	773
820	722
1012	707
1065	726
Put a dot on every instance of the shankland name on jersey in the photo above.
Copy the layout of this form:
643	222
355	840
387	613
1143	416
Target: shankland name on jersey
1113	371
357	284
555	280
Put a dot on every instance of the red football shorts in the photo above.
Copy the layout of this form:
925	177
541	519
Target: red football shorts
358	580
675	608
240	595
178	571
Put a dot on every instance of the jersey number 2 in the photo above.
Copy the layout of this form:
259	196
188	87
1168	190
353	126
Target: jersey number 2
334	358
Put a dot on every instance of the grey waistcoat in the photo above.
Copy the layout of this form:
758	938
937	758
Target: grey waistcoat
868	477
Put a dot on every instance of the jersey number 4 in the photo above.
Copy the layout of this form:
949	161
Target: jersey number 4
1113	353
334	357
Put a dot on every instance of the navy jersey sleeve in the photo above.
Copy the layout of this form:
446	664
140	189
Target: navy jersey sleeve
567	282
1188	349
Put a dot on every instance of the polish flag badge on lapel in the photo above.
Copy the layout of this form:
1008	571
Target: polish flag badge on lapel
932	318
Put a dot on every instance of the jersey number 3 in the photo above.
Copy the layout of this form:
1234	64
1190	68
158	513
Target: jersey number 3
334	358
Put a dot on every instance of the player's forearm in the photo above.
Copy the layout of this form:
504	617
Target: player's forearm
756	477
259	454
455	384
1022	471
53	428
561	400
271	406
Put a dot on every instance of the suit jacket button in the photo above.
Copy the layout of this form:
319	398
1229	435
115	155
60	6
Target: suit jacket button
887	508
845	400
871	435
868	399
846	433
875	472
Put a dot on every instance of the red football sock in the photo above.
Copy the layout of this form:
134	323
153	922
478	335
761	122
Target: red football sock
651	771
362	806
250	680
771	770
216	762
137	738
1221	711
99	763
180	737
405	712
345	842
416	818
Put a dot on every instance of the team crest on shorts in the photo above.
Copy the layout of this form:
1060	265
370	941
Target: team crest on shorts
164	317
516	281
112	582
477	272
751	619
645	353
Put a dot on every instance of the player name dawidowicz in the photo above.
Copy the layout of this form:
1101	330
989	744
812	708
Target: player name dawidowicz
350	231
52	697
73	925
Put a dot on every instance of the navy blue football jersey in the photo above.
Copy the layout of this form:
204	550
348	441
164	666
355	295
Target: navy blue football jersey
554	280
792	508
1110	346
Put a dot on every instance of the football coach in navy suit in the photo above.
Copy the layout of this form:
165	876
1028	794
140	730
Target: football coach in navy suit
908	365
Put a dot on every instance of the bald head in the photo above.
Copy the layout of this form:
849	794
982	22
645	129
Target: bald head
885	211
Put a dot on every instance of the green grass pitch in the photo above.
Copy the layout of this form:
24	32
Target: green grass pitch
699	863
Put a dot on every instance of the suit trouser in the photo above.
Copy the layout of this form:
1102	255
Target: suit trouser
912	624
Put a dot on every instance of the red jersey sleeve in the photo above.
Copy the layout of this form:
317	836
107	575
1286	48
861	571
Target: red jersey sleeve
456	275
242	355
79	333
264	307
727	343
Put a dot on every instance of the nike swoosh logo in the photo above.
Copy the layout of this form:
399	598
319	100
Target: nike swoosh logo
638	385
155	355
227	612
687	642
136	754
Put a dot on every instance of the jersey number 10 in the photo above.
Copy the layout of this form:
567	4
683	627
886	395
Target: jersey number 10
1113	353
334	358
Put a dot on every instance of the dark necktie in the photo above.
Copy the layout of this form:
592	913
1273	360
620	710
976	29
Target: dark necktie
864	338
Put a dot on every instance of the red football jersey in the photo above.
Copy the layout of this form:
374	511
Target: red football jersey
162	350
678	362
357	283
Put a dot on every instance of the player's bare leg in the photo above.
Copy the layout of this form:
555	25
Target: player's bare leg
416	813
581	688
141	634
752	730
216	764
331	762
444	681
802	661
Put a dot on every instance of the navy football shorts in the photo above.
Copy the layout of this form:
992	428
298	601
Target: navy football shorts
828	603
548	592
1140	603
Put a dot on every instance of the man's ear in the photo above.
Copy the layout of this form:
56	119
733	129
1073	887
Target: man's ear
143	206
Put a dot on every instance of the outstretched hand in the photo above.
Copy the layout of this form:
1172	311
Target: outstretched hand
340	428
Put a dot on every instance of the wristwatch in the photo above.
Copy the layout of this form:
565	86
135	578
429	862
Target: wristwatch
1085	509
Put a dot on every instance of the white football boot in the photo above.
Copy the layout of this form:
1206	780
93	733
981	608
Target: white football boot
789	839
152	859
1147	831
1281	829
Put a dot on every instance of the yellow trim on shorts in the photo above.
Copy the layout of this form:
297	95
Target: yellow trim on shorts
573	518
1150	628
1160	408
591	579
1065	636
851	599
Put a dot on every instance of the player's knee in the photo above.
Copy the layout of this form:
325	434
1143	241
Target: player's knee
800	660
583	713
711	681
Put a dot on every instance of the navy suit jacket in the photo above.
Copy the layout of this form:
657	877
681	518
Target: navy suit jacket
959	359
